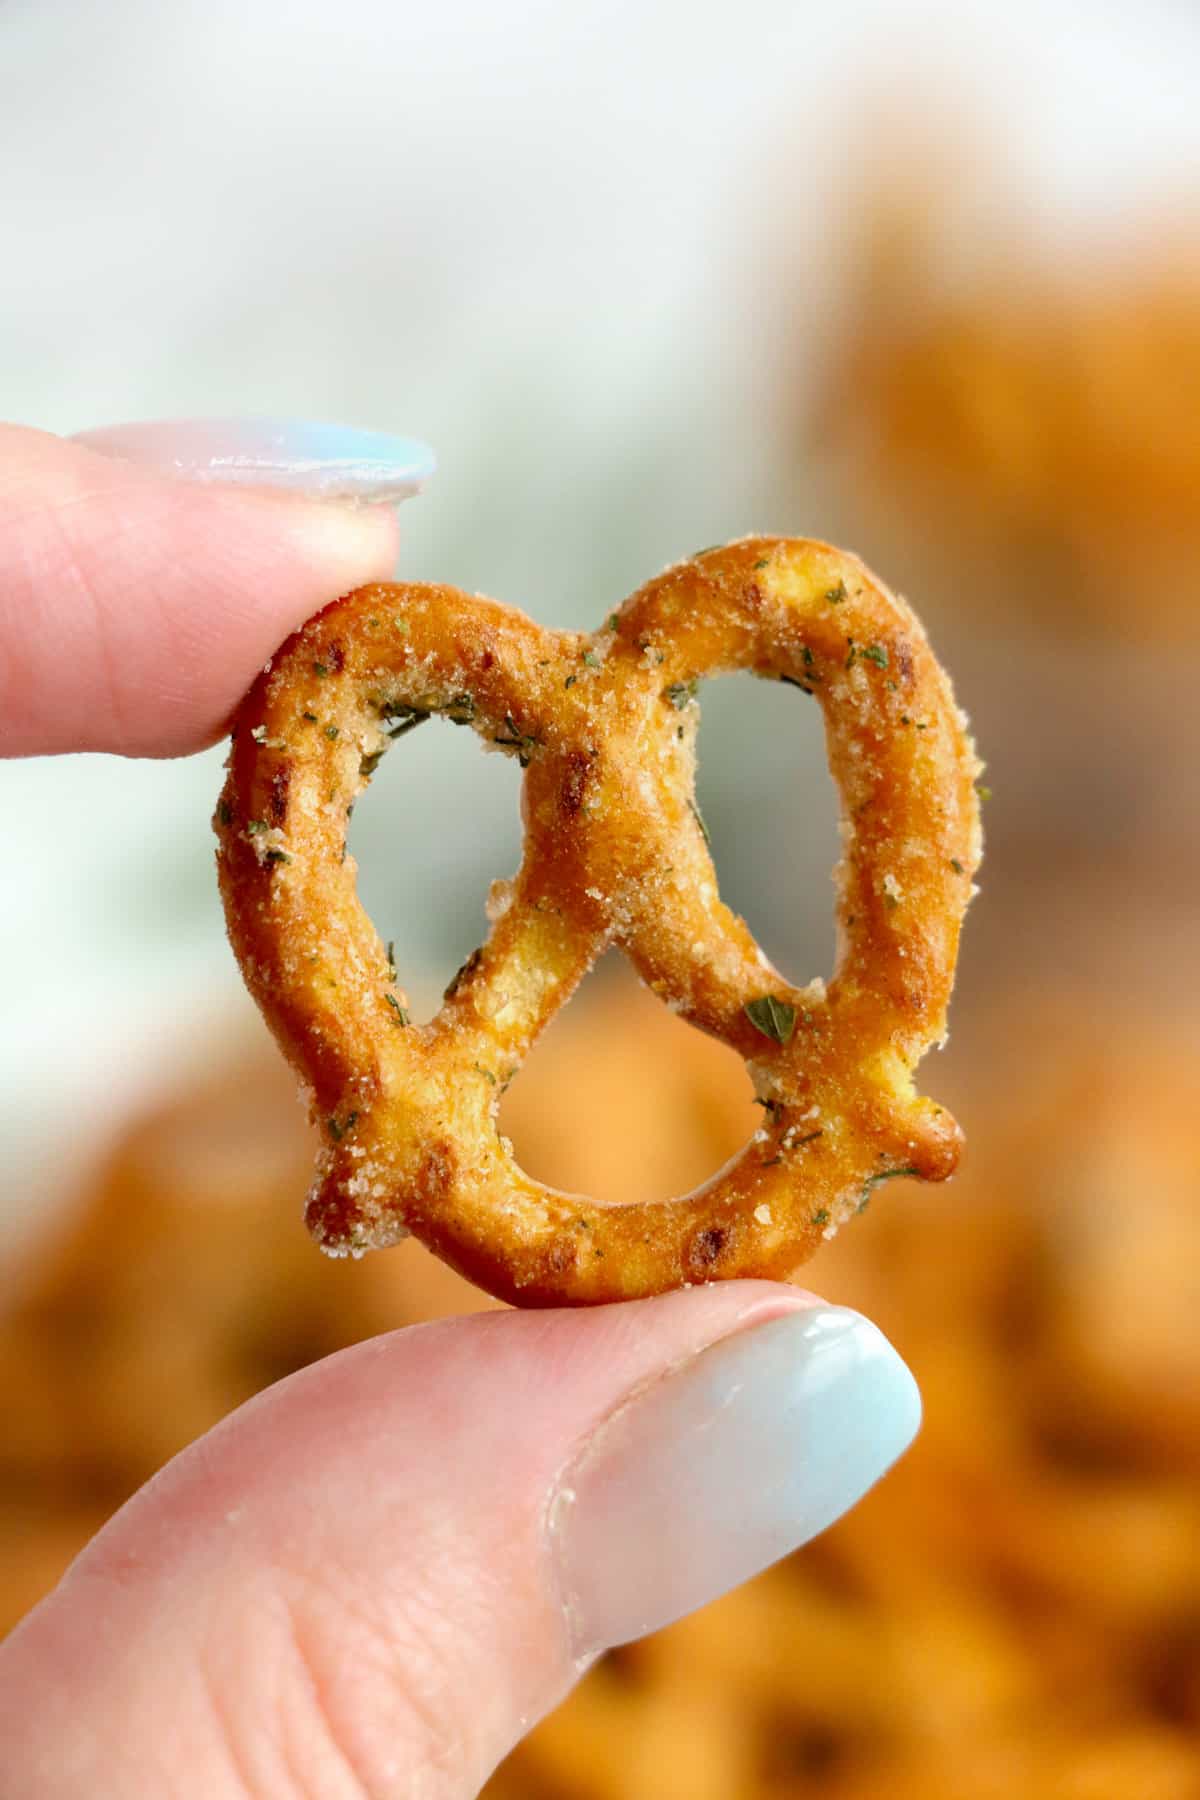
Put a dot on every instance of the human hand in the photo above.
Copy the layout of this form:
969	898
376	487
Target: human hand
375	1577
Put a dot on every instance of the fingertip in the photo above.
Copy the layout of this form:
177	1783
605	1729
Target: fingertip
137	606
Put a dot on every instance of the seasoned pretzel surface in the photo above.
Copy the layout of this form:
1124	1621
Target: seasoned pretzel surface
615	853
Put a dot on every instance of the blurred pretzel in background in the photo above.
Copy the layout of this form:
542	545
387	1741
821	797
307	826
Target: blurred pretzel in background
1024	406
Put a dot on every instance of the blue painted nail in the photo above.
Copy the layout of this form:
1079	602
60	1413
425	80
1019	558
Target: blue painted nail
724	1465
329	462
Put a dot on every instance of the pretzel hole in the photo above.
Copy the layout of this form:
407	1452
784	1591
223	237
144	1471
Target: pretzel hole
438	822
606	1057
771	810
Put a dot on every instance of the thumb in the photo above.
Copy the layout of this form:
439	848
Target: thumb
375	1577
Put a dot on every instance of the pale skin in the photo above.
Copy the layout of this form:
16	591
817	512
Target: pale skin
322	1597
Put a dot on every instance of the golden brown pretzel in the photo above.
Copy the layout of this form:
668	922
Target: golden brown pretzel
615	853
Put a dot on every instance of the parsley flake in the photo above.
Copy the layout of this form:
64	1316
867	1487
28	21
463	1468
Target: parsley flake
402	720
523	742
874	1181
775	1018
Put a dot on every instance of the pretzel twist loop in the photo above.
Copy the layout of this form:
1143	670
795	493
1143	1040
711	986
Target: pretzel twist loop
615	853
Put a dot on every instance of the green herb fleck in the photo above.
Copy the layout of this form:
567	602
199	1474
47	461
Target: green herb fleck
775	1018
338	1130
591	659
835	595
403	627
763	562
877	654
460	710
224	812
320	668
957	866
486	1073
680	692
255	826
874	1181
984	792
311	717
610	624
570	681
821	1216
402	721
276	856
391	956
331	731
523	742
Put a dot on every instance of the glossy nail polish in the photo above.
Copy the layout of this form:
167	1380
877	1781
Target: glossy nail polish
328	462
722	1466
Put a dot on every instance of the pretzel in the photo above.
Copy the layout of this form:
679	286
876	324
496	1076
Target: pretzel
615	853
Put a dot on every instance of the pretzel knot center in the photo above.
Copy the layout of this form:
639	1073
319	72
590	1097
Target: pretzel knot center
615	853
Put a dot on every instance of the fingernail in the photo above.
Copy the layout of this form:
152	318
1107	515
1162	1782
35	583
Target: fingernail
722	1466
328	462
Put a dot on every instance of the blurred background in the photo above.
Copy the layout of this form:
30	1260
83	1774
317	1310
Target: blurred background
921	280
